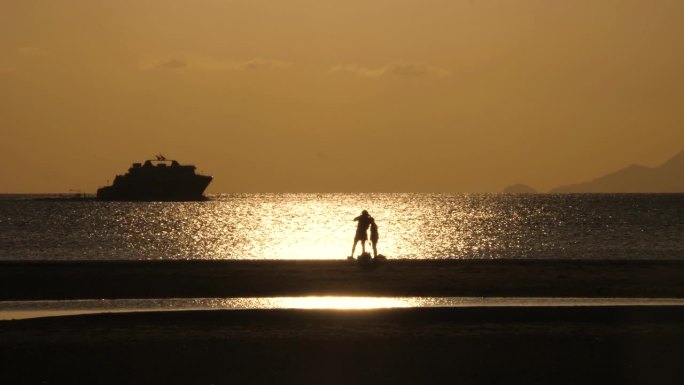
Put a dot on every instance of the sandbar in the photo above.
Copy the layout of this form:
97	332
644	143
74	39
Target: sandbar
266	278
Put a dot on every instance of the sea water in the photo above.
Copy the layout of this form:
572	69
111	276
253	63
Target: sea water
321	226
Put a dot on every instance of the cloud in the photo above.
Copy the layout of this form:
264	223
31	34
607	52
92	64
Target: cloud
170	64
394	69
415	69
211	64
33	51
256	64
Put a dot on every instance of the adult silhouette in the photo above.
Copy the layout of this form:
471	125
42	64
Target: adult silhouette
364	220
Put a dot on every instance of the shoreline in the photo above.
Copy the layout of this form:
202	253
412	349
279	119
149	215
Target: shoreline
13	311
39	280
474	345
390	346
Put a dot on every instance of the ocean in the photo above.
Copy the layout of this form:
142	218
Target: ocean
321	226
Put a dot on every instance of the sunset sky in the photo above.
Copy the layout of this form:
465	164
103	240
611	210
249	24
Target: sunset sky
332	95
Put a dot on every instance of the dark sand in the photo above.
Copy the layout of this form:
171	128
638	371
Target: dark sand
404	346
487	278
548	345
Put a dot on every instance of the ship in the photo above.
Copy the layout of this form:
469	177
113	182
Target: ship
157	180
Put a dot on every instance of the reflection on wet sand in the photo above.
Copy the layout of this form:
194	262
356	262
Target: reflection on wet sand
35	309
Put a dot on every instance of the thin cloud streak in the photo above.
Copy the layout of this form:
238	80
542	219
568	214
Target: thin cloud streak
256	64
171	64
394	69
209	64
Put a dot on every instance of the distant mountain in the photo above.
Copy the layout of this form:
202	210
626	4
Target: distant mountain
668	177
519	189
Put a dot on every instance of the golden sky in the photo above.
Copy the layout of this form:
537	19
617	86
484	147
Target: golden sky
333	95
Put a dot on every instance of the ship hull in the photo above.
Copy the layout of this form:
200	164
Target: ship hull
183	188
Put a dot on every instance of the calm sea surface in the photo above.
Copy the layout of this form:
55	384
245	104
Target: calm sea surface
320	226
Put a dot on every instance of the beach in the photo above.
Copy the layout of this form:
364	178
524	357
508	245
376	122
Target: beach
405	346
482	345
471	278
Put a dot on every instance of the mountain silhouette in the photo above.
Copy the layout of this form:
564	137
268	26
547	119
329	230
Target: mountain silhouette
666	178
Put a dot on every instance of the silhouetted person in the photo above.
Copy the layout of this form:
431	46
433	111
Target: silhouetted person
374	237
362	231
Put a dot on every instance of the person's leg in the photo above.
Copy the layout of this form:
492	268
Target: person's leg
363	246
375	248
354	247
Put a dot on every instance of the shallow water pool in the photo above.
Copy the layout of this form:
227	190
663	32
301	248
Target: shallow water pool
34	309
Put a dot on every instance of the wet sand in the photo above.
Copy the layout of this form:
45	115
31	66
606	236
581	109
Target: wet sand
400	346
479	345
471	278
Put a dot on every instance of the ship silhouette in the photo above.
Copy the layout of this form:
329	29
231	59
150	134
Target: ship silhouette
157	180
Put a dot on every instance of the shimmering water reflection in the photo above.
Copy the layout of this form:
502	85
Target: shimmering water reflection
320	226
33	309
